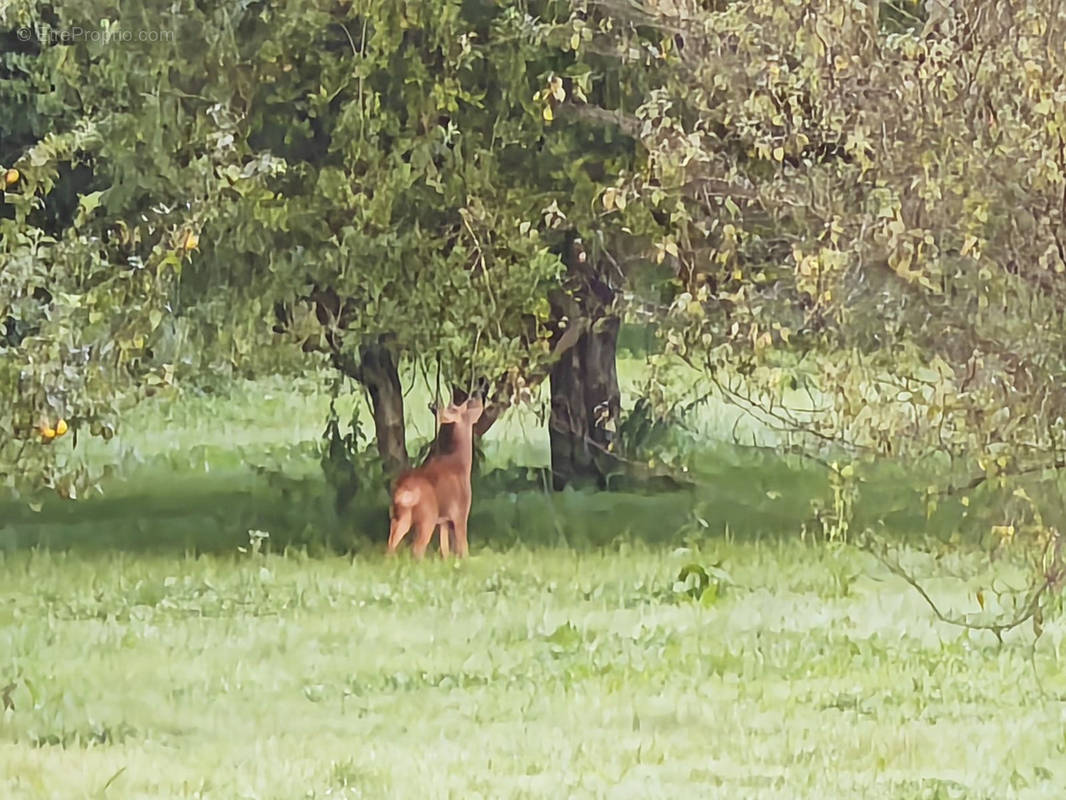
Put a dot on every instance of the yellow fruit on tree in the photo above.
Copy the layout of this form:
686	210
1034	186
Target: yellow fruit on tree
61	427
191	241
11	177
48	434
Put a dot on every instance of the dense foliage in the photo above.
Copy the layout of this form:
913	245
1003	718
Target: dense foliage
396	160
880	193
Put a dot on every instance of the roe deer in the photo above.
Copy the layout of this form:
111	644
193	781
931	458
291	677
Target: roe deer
438	492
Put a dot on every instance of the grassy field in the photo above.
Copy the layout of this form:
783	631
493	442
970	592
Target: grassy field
148	652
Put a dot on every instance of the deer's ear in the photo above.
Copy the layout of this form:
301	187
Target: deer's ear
474	412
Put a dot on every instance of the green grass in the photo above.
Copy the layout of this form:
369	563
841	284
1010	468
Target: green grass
151	658
531	672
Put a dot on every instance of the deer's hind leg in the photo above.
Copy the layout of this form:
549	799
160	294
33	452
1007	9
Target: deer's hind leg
461	548
426	527
447	530
401	524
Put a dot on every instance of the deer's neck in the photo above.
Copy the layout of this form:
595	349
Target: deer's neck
461	447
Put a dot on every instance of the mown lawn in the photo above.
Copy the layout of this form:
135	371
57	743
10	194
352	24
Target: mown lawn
540	672
144	655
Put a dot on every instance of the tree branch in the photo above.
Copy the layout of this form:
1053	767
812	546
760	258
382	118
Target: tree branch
1031	609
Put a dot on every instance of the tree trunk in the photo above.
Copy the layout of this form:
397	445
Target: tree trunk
585	399
377	371
602	395
379	374
568	426
585	406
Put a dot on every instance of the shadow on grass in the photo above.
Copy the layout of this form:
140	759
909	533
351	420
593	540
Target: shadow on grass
166	509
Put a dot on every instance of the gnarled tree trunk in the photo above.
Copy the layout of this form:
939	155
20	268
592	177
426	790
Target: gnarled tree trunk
379	374
375	368
585	399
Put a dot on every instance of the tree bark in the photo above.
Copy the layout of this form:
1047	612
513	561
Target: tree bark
585	406
568	425
376	370
585	398
379	374
603	398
